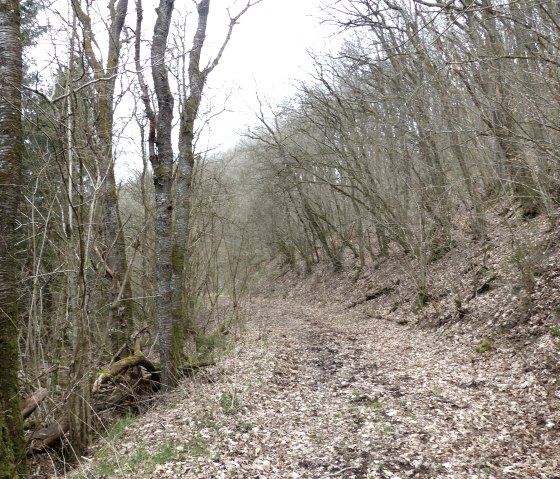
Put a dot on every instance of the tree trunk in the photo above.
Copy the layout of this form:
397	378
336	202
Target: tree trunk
185	165
162	164
113	247
32	402
12	452
43	438
172	243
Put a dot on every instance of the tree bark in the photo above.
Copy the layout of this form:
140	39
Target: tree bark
12	451
113	247
171	239
185	165
43	438
162	164
190	106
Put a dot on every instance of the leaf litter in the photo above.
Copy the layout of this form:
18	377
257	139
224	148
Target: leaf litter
317	390
342	376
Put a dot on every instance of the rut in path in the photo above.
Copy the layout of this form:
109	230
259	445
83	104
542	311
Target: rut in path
377	399
318	391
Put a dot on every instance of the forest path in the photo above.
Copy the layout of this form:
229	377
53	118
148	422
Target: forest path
361	397
320	391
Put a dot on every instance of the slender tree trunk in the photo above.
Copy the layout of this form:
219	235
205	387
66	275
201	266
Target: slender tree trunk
190	105
112	231
113	246
162	164
185	165
171	239
12	452
77	409
78	296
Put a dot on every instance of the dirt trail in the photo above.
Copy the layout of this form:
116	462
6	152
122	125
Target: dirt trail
319	391
374	398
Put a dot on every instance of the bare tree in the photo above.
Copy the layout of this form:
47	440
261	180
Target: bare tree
161	157
431	108
112	248
172	230
13	464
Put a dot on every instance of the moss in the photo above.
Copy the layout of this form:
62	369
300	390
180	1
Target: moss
7	465
178	341
555	330
484	346
12	449
177	259
161	171
176	313
386	428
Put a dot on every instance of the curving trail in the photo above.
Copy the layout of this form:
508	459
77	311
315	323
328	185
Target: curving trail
319	391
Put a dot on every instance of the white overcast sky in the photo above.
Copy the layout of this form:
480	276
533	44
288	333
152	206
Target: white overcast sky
267	55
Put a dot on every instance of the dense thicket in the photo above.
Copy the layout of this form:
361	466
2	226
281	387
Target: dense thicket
107	269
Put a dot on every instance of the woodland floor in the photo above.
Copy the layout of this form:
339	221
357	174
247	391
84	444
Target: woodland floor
344	376
319	390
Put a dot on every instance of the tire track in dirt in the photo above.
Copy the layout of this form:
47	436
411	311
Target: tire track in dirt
370	398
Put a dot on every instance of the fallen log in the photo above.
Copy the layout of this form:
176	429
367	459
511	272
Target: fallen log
121	366
372	295
43	438
32	402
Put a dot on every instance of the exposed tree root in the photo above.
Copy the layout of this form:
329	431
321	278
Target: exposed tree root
122	365
108	397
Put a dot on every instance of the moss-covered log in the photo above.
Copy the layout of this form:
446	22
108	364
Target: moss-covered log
122	365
